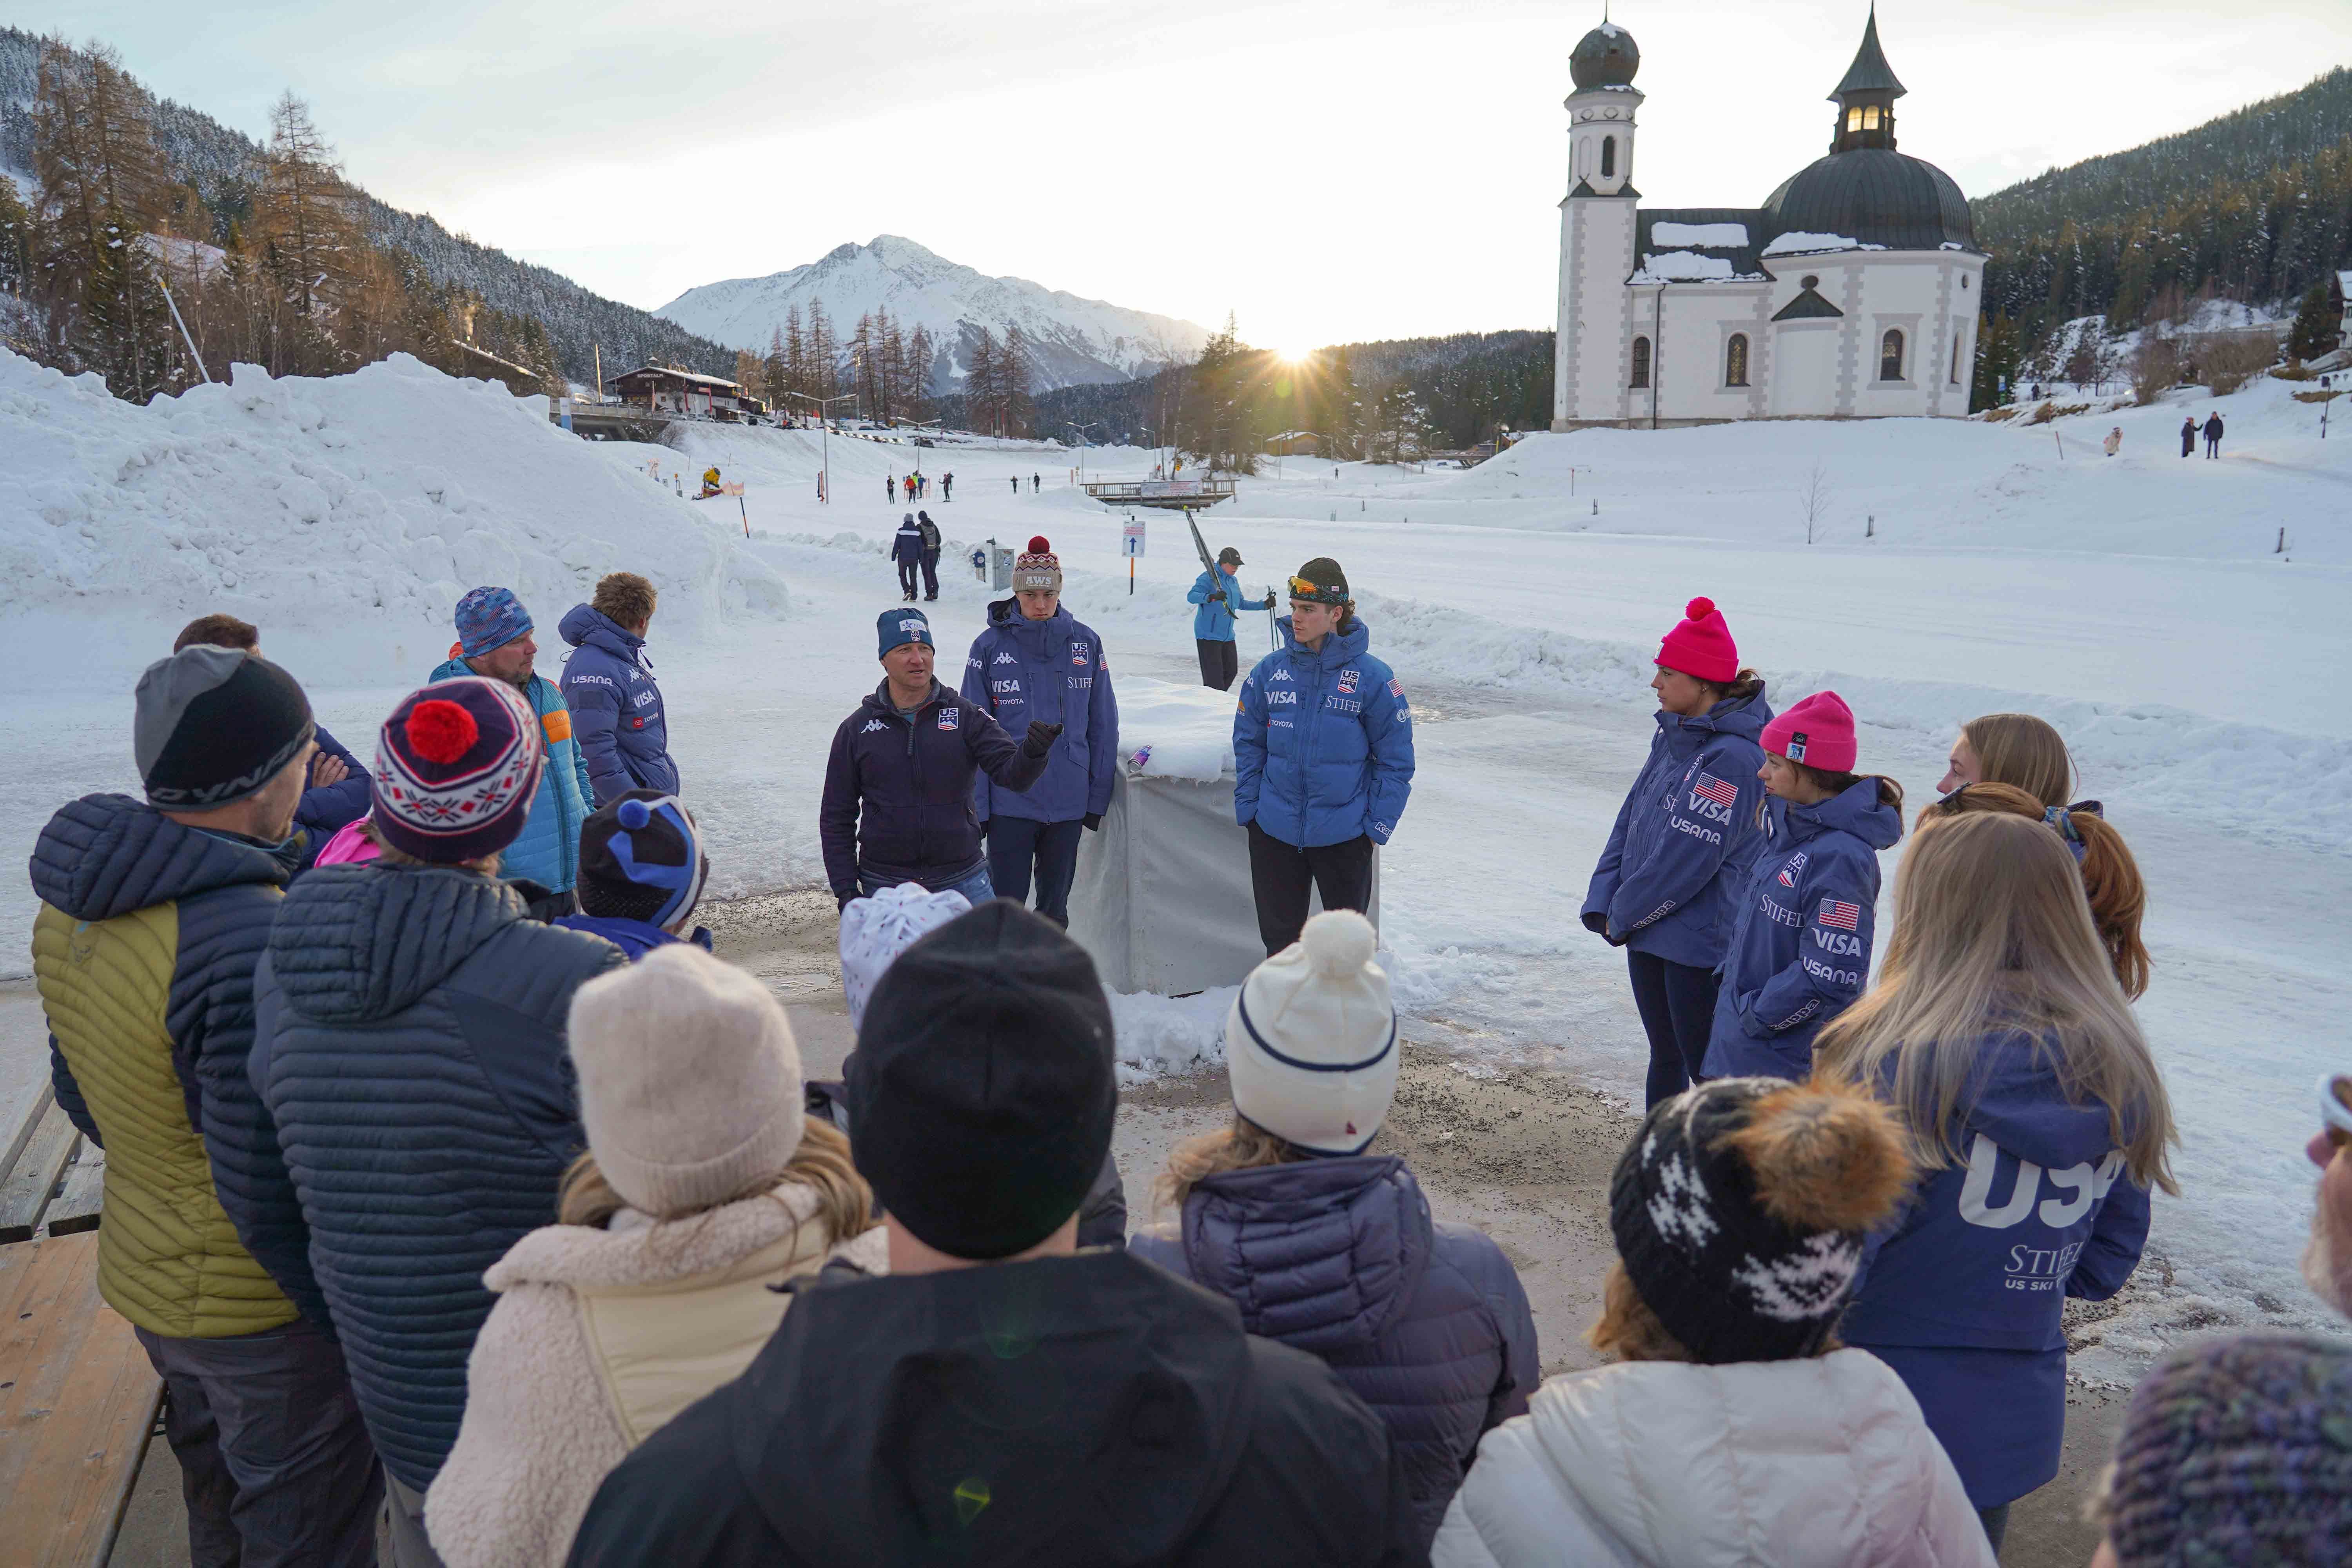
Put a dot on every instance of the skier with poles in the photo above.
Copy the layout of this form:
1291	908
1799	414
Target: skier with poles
947	486
1218	592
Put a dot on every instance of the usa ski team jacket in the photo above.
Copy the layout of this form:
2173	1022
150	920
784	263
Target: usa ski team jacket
1801	943
907	545
1322	742
1214	622
1961	1293
1053	670
616	708
547	850
897	795
1686	837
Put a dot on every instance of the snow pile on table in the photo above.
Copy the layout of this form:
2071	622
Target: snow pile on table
1170	730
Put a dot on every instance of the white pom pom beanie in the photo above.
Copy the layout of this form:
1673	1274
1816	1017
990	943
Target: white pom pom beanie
876	930
690	1080
1311	1043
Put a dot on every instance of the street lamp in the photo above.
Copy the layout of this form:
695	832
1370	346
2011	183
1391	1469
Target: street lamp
919	425
825	428
1079	430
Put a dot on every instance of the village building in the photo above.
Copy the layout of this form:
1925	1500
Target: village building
660	389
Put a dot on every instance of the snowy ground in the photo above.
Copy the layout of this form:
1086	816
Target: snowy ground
1958	567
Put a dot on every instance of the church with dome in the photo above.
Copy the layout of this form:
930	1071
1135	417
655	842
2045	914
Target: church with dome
1852	293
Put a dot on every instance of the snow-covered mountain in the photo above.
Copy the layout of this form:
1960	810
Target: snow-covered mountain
1074	340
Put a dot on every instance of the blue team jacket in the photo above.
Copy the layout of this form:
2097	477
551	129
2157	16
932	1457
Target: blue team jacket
616	709
1051	671
1687	836
1214	622
1801	943
1322	742
1961	1294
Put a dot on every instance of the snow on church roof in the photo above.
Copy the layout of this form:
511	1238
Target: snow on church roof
1682	267
1700	234
1797	242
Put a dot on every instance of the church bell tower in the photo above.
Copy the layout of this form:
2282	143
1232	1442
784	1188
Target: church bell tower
1596	229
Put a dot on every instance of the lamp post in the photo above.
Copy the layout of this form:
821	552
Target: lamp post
825	430
919	425
1079	430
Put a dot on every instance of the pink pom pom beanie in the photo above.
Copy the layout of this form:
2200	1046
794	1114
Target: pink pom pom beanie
1700	644
1818	732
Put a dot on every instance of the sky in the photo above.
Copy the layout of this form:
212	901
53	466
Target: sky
1326	173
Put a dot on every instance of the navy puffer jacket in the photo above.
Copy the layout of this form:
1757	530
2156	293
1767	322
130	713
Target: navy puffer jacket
1427	1323
409	1044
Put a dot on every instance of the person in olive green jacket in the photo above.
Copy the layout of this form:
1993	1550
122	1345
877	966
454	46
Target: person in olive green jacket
152	918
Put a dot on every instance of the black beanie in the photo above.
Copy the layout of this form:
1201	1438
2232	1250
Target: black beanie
641	859
982	1091
1321	582
1740	1207
211	725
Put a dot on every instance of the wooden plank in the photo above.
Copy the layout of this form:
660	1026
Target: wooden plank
78	1400
78	1203
33	1181
22	1133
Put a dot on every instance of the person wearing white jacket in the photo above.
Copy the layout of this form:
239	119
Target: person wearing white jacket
704	1188
1731	1430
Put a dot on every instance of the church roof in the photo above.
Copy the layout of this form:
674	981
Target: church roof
1874	197
1870	72
1699	245
1604	57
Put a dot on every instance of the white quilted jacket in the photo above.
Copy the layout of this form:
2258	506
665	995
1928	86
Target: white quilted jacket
1792	1464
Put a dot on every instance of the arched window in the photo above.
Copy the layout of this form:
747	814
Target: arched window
1735	360
1854	117
1870	118
1608	157
1890	357
1641	362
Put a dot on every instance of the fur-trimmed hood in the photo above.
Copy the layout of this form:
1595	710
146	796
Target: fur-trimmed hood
586	1258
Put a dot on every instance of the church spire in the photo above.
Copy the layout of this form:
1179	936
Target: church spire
1865	96
1870	72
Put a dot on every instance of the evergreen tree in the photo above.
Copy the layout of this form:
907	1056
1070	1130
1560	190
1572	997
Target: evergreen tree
824	355
919	355
1016	371
984	410
2316	326
102	187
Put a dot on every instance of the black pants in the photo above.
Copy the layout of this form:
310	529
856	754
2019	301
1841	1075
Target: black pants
1218	663
275	1465
1280	875
1015	843
930	574
2213	446
1996	1524
1677	1006
907	570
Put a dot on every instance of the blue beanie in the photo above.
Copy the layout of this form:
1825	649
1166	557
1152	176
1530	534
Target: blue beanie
490	618
895	628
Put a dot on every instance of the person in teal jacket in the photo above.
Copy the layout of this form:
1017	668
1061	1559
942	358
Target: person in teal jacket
1218	595
494	640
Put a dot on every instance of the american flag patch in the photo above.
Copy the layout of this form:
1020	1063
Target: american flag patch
1841	915
1396	689
1709	787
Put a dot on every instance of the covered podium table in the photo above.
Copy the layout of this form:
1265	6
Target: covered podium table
1163	899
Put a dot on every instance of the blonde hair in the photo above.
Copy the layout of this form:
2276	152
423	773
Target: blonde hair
1244	1146
2020	750
822	1163
2111	879
1992	936
1628	1329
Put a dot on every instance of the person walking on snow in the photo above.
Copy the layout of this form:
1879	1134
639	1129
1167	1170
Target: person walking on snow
337	794
1015	483
709	482
890	488
1683	841
2114	440
931	546
2188	434
2214	434
1036	661
947	486
608	685
897	785
1800	950
1036	482
1323	758
1218	595
907	550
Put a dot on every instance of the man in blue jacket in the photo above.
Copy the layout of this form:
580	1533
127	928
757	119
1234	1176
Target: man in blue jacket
337	791
898	786
1323	758
494	640
1036	661
907	550
1220	599
616	709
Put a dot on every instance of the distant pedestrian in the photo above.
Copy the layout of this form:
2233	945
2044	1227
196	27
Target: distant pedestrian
2114	440
907	550
1036	482
890	488
947	486
931	542
2188	435
1015	482
1218	595
2214	434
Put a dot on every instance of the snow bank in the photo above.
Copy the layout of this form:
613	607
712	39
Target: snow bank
1716	235
1171	730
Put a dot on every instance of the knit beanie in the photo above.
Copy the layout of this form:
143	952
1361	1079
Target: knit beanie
490	618
690	1080
1740	1207
1700	644
876	929
641	859
1037	570
211	725
1321	582
2237	1450
1311	1041
456	766
897	628
983	1090
1818	732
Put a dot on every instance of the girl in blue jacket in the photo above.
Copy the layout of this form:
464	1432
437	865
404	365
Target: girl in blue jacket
1998	1032
1683	841
1801	947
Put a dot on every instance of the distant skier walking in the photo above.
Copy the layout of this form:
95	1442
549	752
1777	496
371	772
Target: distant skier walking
890	488
947	487
1220	599
930	533
907	550
1036	483
1015	482
2188	435
2214	434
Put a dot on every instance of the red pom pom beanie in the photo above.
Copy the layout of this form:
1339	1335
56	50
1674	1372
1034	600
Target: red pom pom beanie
1037	569
1701	645
456	766
1818	732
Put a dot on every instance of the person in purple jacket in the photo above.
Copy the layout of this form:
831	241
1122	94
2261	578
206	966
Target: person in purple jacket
1683	843
1999	1032
1801	947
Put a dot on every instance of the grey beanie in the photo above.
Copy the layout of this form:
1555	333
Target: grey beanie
211	726
689	1081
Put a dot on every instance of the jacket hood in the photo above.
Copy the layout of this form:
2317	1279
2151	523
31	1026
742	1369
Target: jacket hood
593	1258
2018	1099
584	626
1319	1254
1340	647
1114	1379
1855	810
355	944
1004	615
106	855
1741	717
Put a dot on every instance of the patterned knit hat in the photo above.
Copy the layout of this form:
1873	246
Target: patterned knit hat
1037	570
455	768
211	726
1740	1206
641	859
2237	1450
490	618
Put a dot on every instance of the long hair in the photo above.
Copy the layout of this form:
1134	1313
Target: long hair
488	866
1832	785
1992	936
2111	879
2019	748
1739	688
1243	1146
844	1202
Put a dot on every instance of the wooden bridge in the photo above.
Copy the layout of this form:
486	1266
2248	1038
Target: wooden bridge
1170	495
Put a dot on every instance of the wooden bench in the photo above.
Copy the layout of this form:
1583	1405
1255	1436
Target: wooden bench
78	1398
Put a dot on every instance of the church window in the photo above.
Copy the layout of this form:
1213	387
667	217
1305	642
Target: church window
1735	360
1641	362
1870	118
1890	357
1854	117
1956	359
1608	157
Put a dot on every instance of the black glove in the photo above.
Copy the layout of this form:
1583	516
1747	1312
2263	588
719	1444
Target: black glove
1218	598
1269	598
1042	737
842	900
1093	820
1596	922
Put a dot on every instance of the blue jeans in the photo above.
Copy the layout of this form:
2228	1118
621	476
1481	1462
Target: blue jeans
976	887
1014	842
